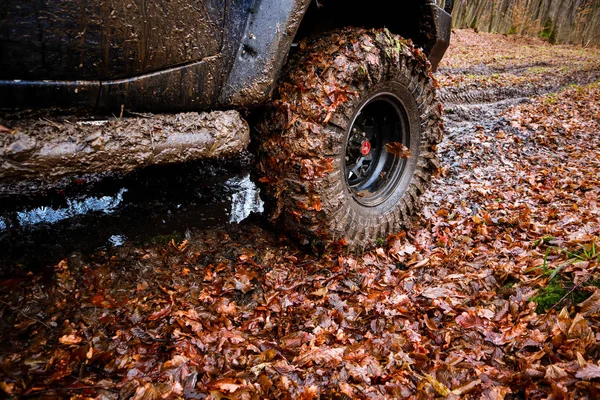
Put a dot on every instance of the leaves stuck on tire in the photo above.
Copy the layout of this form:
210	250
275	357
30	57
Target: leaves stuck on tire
303	134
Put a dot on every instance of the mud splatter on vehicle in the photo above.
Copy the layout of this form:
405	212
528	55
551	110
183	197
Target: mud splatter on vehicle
101	78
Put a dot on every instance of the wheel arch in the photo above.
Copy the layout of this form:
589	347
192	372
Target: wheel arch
266	39
273	25
427	25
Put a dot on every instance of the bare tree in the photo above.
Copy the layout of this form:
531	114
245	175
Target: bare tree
568	21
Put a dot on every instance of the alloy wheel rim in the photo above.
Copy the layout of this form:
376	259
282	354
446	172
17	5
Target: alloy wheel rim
371	172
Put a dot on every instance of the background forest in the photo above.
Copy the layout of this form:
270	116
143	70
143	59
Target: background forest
563	21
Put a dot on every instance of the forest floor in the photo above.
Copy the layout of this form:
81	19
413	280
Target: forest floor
494	293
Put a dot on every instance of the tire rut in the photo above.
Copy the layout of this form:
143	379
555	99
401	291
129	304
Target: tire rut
460	95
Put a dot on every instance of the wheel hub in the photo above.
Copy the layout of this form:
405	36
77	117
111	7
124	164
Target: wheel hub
365	147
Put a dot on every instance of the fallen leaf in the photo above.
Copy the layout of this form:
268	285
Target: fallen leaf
7	387
227	385
467	388
160	313
320	356
554	372
439	387
436	292
588	372
397	149
146	392
591	306
70	339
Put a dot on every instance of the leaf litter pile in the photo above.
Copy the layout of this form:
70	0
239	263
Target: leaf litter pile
492	294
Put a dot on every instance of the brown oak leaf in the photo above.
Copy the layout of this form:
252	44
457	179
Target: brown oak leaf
398	149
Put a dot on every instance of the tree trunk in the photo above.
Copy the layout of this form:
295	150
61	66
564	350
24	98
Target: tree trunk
567	21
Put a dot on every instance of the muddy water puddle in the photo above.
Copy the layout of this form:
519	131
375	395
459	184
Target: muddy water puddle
39	227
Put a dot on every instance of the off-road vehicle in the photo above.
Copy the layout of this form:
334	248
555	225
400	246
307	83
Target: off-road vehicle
348	114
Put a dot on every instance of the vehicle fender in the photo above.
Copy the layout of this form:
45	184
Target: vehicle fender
438	32
262	51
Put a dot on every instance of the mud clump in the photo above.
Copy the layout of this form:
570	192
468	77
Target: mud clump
51	149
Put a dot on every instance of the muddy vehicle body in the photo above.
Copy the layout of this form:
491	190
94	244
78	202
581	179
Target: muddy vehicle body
348	115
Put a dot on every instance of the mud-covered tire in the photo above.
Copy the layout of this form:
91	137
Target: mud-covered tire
304	134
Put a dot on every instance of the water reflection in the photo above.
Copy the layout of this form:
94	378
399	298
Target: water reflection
44	214
242	192
117	240
166	202
245	200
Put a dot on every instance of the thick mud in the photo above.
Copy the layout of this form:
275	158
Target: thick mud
479	103
491	87
49	149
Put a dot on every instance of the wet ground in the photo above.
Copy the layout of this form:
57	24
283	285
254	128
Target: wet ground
238	311
40	225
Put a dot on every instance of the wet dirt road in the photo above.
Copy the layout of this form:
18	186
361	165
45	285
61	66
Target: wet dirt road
239	308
